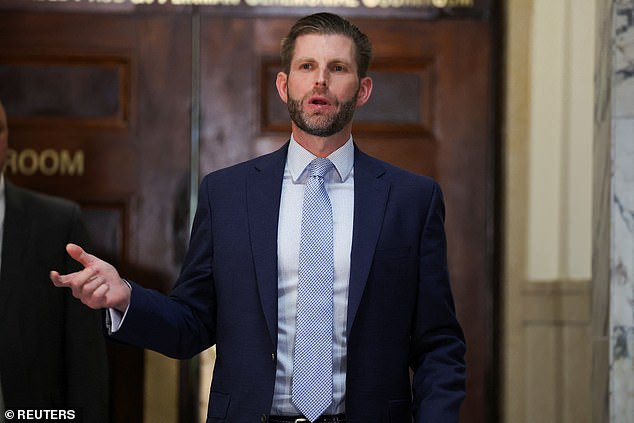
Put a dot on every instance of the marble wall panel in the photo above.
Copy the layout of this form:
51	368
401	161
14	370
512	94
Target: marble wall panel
623	60
622	271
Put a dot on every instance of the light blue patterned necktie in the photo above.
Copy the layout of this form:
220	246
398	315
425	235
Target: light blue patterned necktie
312	360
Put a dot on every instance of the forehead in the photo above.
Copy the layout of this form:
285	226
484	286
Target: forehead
327	47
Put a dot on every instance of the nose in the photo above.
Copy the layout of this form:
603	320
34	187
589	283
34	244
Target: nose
321	80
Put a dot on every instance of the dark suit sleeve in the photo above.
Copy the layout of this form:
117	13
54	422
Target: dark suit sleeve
438	345
86	360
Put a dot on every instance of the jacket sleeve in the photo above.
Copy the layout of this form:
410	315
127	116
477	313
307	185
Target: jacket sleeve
438	346
182	324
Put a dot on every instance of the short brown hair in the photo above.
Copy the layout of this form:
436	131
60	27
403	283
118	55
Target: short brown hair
327	23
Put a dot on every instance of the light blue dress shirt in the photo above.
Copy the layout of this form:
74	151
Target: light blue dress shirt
340	188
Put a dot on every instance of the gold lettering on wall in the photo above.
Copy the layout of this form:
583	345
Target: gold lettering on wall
441	4
48	162
202	2
307	3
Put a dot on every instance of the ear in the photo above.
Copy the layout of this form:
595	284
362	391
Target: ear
365	89
281	82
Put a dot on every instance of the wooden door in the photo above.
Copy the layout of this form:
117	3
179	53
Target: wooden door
98	110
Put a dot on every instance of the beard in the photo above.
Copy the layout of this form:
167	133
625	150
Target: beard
318	124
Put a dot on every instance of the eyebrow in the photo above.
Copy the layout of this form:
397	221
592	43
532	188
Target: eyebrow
310	59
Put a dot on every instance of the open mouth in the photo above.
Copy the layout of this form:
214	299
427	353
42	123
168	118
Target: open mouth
319	101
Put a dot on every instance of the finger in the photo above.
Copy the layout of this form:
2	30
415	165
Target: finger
95	299
99	296
55	277
59	280
89	286
74	279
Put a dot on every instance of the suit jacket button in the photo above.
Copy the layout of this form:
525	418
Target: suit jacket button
273	356
263	418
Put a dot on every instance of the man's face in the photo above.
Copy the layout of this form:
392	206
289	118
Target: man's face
4	136
322	87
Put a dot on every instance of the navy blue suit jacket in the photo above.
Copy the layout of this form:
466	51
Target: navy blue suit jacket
400	307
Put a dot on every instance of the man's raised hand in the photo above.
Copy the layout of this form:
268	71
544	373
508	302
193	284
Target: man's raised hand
98	285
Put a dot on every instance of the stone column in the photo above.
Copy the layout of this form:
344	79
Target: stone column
613	216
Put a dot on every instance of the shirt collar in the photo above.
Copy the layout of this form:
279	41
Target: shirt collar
299	158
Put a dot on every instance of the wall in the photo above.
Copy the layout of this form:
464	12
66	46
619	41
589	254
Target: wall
547	139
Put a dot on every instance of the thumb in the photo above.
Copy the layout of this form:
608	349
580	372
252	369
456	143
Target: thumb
78	254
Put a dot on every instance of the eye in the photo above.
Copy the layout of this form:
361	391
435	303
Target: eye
305	66
338	68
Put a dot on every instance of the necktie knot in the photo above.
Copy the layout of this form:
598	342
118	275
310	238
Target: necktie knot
319	167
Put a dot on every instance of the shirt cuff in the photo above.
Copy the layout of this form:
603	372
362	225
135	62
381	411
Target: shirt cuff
114	318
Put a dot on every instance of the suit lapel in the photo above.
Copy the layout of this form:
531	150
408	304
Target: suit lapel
264	188
370	198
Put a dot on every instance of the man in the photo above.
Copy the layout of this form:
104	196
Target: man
319	273
52	348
